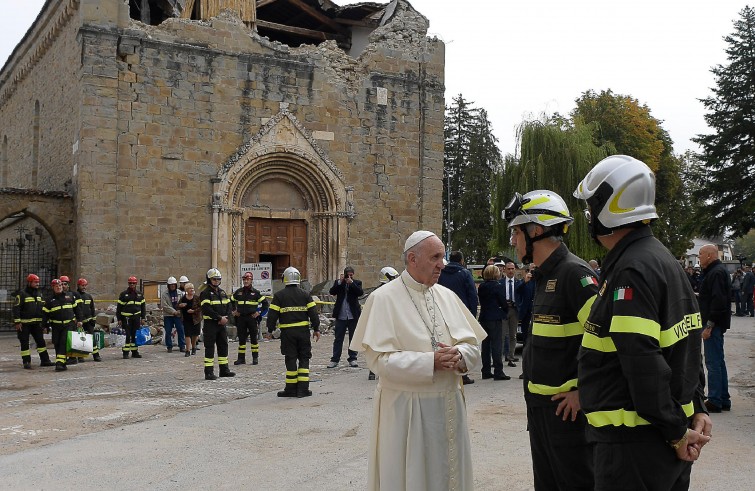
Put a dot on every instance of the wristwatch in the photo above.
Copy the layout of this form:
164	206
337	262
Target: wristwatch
680	441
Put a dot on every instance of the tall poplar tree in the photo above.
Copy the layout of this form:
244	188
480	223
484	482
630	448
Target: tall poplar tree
726	190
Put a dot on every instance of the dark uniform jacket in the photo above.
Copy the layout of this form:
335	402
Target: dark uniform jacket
248	301
60	310
459	280
27	309
715	295
292	307
640	373
87	308
215	304
349	293
130	303
566	288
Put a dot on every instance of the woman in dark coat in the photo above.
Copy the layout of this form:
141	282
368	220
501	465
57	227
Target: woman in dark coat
493	310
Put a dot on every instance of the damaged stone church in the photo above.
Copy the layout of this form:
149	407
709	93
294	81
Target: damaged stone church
165	137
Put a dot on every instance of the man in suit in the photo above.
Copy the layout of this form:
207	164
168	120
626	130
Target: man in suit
346	312
510	284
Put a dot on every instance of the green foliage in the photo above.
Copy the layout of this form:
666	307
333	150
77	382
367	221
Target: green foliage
554	155
725	190
745	246
471	159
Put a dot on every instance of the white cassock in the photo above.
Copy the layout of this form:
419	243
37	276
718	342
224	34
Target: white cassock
419	437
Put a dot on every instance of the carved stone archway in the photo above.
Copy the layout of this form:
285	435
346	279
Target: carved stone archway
282	150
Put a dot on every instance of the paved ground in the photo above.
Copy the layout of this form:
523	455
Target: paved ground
156	423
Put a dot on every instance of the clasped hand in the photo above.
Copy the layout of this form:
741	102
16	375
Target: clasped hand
447	357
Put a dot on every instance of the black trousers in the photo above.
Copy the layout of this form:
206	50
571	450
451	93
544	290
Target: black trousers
247	326
492	346
59	338
561	457
215	335
89	329
296	347
131	325
340	333
35	330
640	466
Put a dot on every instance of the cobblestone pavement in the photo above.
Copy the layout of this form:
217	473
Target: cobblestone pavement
93	396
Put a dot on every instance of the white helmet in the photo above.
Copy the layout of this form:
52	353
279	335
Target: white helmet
542	207
183	279
291	276
213	273
388	274
620	190
172	280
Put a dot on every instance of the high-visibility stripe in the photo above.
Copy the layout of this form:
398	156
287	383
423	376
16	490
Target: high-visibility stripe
32	299
584	312
27	321
208	362
247	302
275	307
41	350
293	309
549	390
53	321
623	417
311	304
255	348
557	330
302	378
635	325
54	309
26	353
604	345
294	324
131	302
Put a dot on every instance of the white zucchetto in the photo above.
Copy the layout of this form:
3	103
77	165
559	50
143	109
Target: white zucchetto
416	238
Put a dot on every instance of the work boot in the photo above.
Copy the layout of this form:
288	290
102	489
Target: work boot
225	371
72	361
188	353
289	391
44	360
193	351
170	349
27	365
96	357
208	373
135	354
60	367
241	360
125	355
302	389
255	358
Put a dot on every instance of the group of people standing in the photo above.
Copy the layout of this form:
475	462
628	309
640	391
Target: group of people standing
612	369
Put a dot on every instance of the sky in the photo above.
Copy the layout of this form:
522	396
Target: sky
519	59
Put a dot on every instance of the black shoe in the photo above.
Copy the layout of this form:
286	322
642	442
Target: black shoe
27	365
135	354
187	353
96	357
239	362
210	376
170	349
305	393
486	376
511	363
286	393
193	351
73	361
501	377
371	376
514	359
466	380
712	408
60	367
125	355
47	363
255	361
227	373
726	408
181	349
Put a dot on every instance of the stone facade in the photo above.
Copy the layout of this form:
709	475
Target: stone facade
163	135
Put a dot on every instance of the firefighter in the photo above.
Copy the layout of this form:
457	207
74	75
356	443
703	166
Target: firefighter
564	291
247	302
88	313
216	308
61	313
73	360
296	312
27	318
640	376
131	310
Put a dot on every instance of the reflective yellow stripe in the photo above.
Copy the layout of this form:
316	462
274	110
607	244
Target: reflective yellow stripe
302	378
275	307
294	324
622	417
604	345
26	353
680	330
33	299
635	325
27	321
54	309
585	310
247	302
311	304
557	330
291	374
293	309
549	390
304	370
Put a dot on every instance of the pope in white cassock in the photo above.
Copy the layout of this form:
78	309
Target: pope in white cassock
419	338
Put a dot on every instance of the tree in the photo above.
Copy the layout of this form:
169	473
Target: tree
745	246
726	191
632	130
555	154
471	159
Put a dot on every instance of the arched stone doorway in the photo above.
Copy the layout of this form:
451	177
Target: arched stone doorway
280	198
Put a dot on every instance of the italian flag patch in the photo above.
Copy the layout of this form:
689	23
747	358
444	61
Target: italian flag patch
622	294
588	280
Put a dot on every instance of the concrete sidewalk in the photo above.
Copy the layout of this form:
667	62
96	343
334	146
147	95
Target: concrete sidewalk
263	442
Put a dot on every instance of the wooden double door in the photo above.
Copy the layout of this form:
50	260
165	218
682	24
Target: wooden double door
280	242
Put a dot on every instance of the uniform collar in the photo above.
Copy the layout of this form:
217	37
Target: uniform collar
632	237
552	261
